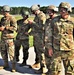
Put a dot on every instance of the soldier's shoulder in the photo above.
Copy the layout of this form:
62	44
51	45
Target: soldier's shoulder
12	18
72	19
57	18
42	14
26	21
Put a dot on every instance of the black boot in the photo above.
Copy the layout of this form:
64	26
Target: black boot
36	65
6	66
40	71
23	63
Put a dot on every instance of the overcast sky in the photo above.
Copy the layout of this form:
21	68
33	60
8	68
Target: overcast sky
28	3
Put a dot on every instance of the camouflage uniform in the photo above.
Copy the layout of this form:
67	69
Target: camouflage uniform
7	38
51	10
22	38
38	33
62	43
40	17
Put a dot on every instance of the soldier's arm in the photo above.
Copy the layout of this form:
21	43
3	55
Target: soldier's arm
72	20
49	39
2	27
43	19
73	32
18	26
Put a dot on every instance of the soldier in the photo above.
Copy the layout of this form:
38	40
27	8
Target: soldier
38	33
61	43
8	26
51	11
22	37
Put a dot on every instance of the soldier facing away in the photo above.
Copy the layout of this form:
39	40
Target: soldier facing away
61	43
22	38
8	26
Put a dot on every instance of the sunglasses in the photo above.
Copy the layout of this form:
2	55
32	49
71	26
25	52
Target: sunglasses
63	10
49	11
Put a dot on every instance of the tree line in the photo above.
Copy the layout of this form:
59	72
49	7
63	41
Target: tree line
17	10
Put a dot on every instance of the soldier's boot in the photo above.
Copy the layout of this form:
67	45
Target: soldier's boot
23	63
6	65
43	74
45	70
42	70
36	65
13	67
48	73
56	73
1	67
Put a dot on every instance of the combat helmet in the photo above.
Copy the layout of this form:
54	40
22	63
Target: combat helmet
25	12
65	5
35	7
52	7
6	8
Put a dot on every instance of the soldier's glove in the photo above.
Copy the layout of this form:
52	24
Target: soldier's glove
30	21
7	27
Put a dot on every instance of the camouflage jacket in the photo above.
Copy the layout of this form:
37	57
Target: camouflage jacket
39	21
23	28
9	21
48	32
61	34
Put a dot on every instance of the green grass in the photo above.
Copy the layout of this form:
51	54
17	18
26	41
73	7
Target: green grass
18	17
30	41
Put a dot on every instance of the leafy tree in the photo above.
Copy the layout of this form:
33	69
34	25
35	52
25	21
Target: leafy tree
17	10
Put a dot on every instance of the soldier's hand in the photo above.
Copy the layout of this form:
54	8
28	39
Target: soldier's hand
2	28
7	27
30	21
50	51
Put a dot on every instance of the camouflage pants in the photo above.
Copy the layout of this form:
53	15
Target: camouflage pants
39	48
7	47
25	44
60	63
